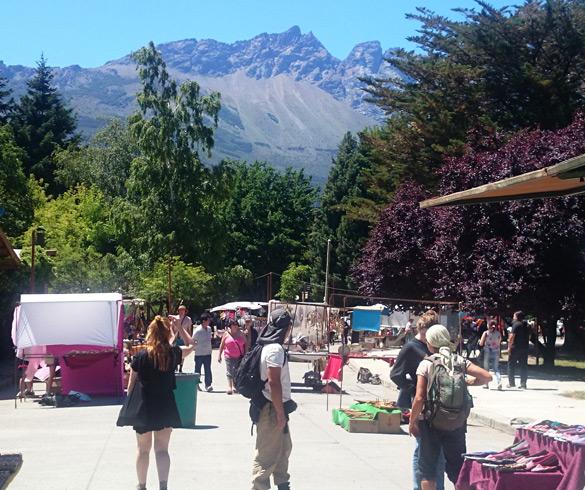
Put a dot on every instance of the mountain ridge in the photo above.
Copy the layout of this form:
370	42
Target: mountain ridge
278	71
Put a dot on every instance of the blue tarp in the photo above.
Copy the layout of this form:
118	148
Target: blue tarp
366	320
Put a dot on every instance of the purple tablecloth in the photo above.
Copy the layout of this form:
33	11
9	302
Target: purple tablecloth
475	476
571	458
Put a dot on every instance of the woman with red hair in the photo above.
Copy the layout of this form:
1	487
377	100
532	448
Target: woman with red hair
155	368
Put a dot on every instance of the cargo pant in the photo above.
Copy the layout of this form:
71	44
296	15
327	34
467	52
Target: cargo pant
273	448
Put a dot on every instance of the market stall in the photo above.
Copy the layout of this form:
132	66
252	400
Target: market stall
545	455
82	333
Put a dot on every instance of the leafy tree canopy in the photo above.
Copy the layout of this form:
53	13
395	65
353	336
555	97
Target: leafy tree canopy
191	284
344	188
493	258
293	281
168	182
267	215
506	69
15	193
104	163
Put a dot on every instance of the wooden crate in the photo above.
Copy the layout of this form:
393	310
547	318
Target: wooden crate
388	423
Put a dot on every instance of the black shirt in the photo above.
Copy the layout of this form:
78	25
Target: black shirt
154	380
521	333
407	362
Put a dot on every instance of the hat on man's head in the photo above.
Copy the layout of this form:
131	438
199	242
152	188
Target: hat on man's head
280	318
277	327
438	336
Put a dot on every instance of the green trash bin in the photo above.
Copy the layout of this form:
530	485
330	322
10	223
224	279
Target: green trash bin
186	397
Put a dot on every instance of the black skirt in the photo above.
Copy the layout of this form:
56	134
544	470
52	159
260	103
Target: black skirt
158	412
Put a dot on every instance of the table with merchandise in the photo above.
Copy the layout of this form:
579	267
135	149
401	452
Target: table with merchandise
546	455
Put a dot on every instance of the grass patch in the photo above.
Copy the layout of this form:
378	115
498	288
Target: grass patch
576	395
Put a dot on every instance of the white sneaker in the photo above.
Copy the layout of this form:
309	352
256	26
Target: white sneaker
209	388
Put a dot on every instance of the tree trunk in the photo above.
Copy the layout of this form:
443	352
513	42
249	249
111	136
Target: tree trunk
550	332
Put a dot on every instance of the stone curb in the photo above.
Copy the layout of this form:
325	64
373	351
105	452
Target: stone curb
492	423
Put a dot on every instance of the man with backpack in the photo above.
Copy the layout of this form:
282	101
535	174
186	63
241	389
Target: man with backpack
441	406
264	377
403	374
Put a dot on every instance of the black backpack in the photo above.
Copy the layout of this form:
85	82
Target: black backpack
248	381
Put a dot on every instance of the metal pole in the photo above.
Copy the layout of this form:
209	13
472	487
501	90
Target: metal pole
327	271
170	281
32	262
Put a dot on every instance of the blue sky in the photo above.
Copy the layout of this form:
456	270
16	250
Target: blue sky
91	32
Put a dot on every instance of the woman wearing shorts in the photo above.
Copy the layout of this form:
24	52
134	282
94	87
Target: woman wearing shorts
233	345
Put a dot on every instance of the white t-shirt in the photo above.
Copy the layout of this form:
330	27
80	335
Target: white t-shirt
273	355
424	367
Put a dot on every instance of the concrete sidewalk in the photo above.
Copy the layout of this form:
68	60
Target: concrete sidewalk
505	409
81	448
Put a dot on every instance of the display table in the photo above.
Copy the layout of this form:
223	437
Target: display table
474	476
571	458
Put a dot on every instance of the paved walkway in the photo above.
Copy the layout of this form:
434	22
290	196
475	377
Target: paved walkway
80	447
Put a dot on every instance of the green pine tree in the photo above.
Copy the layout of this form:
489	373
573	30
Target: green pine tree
43	124
6	103
344	187
494	69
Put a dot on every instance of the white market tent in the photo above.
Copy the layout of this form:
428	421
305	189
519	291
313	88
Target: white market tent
238	305
67	319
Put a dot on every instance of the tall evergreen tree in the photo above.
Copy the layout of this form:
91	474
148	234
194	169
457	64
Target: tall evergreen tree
43	124
344	188
506	69
6	103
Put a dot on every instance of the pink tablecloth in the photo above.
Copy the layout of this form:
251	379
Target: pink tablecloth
571	457
475	476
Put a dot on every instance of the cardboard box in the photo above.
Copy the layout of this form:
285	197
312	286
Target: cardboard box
389	423
362	425
383	423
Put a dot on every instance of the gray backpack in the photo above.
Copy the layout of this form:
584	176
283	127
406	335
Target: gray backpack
448	400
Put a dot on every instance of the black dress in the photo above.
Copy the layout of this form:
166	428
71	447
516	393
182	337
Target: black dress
159	409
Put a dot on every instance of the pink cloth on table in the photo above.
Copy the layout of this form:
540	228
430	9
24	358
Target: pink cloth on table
474	476
333	368
571	457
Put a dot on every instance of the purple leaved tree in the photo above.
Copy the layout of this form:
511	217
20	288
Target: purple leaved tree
492	257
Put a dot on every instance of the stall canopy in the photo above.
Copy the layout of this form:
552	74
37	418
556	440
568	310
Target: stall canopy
369	318
239	305
563	179
67	319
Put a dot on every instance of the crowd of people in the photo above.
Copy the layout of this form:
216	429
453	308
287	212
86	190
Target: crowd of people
168	341
439	430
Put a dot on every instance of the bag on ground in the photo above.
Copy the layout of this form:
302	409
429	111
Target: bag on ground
448	399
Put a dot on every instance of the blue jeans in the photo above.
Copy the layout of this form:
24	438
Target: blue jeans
204	361
416	473
492	357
